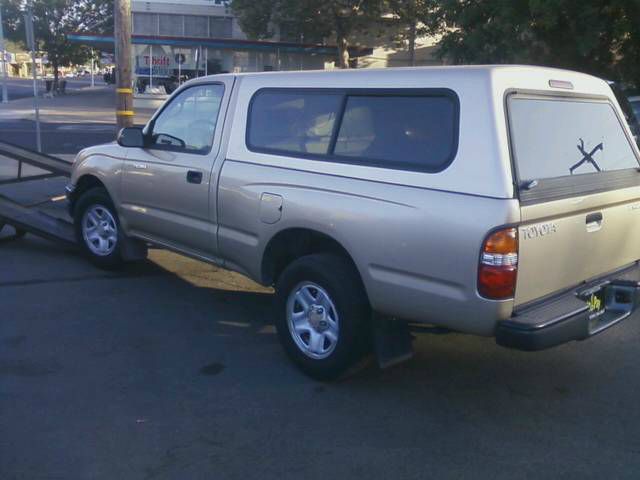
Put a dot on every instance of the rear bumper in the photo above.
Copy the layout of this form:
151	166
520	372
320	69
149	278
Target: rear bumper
570	316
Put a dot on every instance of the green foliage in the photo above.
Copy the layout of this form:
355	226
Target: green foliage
601	37
255	17
13	47
309	20
53	19
415	19
414	12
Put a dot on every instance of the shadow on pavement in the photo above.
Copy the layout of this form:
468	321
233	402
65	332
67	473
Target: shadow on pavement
172	369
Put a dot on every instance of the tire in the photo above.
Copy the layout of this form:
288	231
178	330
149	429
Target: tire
18	232
337	310
103	249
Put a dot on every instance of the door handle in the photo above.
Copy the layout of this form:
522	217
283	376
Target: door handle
194	176
140	166
594	221
594	217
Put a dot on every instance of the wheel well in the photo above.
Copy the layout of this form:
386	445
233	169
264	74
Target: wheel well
85	183
289	245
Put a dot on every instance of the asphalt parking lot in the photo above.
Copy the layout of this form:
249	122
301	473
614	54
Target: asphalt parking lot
171	369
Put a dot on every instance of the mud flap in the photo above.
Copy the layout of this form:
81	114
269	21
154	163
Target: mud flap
133	250
393	342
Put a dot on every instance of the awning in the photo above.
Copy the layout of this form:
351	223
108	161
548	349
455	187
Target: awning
106	43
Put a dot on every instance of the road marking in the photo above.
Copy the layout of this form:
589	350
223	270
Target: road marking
87	128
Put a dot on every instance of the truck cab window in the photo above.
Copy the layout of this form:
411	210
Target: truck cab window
188	123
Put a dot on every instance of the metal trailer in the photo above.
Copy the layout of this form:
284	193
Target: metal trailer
31	215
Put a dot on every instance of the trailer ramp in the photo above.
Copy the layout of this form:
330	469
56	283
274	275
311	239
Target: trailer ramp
26	200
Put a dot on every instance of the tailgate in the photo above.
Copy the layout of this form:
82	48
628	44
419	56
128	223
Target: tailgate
579	192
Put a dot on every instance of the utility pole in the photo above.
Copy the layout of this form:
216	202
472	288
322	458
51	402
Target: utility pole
124	90
93	80
5	74
31	43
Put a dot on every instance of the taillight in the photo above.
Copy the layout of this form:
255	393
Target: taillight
498	268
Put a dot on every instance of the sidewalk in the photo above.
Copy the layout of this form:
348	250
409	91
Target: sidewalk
90	105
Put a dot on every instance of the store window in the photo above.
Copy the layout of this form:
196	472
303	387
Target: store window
145	23
171	25
220	27
196	26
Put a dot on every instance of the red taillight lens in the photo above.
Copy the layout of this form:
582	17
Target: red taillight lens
498	268
497	282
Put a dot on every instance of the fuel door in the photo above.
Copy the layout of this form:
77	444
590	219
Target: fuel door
270	208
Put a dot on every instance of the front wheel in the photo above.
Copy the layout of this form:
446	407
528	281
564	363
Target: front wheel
322	315
18	232
97	229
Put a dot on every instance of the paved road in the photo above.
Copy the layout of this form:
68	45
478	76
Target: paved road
57	138
23	87
171	370
68	124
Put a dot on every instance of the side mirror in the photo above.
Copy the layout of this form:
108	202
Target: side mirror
131	137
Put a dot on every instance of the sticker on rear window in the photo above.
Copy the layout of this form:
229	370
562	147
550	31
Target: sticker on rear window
587	157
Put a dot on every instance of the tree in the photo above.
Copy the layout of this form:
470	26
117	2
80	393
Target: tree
310	20
415	17
601	37
628	41
53	20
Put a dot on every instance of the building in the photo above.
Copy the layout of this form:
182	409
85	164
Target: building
174	40
19	65
390	53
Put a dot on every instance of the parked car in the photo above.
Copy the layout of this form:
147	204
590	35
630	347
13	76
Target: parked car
497	201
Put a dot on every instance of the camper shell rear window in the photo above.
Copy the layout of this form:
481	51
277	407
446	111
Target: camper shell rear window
563	146
400	129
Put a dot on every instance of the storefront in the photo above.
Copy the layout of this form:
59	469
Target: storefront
162	63
176	40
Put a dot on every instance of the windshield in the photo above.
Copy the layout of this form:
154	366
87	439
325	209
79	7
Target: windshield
560	137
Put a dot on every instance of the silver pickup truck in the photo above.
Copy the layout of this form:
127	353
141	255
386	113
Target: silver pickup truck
494	200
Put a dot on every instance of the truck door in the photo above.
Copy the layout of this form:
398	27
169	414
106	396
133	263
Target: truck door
167	186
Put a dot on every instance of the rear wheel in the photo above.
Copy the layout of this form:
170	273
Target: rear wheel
98	229
322	315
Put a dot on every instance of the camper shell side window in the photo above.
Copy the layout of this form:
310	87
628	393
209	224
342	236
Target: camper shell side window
402	129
